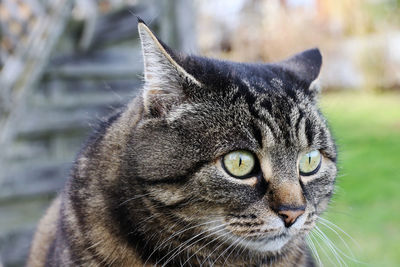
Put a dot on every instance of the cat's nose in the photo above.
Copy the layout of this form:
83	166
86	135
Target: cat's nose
290	215
287	200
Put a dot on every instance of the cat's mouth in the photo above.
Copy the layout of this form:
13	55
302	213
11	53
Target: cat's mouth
267	243
271	238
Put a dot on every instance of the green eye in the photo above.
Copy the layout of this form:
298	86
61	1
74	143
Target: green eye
310	163
239	164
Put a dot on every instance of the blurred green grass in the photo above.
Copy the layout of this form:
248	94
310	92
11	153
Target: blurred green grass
366	205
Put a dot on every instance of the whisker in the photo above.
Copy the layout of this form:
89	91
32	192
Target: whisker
178	249
133	198
215	249
213	233
176	223
343	241
340	229
175	234
330	246
182	247
352	258
233	243
243	249
227	257
314	250
313	235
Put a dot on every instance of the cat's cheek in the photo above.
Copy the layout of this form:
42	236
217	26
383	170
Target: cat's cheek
319	188
322	205
213	187
169	195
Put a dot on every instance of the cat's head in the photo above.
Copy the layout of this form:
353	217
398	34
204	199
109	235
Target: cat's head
231	156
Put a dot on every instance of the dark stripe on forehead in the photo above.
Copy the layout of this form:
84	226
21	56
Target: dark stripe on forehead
288	120
291	93
257	133
322	136
297	124
245	93
309	132
269	126
250	100
265	103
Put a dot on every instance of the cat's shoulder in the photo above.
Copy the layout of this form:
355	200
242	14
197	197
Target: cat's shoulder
45	234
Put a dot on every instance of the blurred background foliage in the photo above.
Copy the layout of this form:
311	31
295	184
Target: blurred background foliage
85	63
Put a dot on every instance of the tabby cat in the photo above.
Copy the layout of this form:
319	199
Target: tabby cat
215	163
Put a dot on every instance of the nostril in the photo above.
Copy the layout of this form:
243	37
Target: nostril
289	216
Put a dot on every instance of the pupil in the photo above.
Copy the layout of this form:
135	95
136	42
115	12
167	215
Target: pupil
309	159
240	161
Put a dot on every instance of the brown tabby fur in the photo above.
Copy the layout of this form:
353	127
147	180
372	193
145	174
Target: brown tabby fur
148	189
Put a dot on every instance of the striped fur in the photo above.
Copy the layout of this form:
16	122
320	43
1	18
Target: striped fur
148	188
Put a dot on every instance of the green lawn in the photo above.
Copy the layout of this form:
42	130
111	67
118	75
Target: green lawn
367	201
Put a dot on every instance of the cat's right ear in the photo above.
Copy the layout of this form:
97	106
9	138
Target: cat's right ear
164	77
306	66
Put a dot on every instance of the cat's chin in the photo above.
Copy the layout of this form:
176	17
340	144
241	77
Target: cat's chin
268	244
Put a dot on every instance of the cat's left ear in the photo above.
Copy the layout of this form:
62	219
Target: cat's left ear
305	66
164	76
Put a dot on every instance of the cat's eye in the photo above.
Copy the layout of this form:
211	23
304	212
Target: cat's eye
239	163
310	163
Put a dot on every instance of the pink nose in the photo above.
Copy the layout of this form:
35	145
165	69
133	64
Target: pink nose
289	216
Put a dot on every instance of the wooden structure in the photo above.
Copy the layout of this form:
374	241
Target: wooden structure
64	66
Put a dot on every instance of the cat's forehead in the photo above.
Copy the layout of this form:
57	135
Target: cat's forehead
270	116
225	74
264	88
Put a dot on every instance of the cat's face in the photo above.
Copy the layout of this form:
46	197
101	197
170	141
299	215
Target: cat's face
235	156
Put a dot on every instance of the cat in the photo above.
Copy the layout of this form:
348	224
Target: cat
214	163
